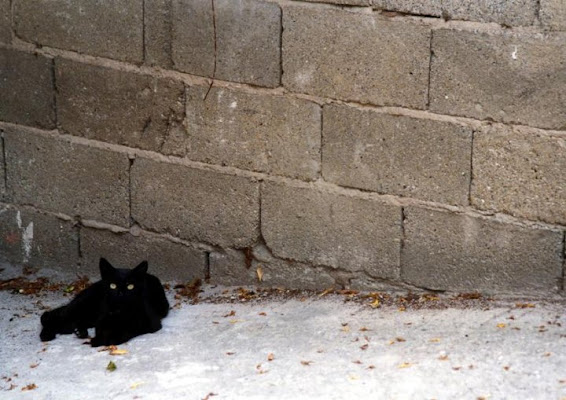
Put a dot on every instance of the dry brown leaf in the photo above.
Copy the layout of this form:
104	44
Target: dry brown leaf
31	386
400	339
263	314
235	321
364	329
501	325
208	396
405	365
307	362
401	309
371	366
547	354
345	328
443	357
230	314
259	272
230	353
34	365
525	305
434	340
506	368
270	357
357	362
375	304
364	347
118	352
136	385
325	292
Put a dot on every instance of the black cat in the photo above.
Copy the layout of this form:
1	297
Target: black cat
124	304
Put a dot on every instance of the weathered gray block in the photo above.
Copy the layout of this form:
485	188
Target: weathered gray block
111	29
167	260
553	14
272	134
116	106
397	155
230	268
39	240
195	204
513	78
355	56
26	89
520	173
431	7
247	40
2	167
342	2
447	251
505	12
5	21
157	31
308	225
72	179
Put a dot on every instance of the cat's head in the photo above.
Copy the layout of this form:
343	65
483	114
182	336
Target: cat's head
123	284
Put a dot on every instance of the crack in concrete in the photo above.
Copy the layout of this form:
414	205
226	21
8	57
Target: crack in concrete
215	50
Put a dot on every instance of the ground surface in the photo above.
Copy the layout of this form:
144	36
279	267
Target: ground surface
234	345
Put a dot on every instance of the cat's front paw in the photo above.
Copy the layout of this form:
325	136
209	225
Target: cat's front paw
81	333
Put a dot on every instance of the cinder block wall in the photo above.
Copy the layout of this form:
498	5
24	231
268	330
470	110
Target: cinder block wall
366	144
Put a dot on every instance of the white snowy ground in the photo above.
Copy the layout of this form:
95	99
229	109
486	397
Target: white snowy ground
321	348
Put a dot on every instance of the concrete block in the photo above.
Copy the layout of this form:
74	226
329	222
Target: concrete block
520	173
342	2
308	225
39	240
355	56
196	205
247	40
26	89
5	21
2	167
116	106
229	267
504	12
272	134
512	78
170	261
72	179
431	8
369	150
157	31
553	14
448	251
112	29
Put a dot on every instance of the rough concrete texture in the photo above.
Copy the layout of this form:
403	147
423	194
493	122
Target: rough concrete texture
100	28
2	167
370	150
247	40
342	2
5	21
447	251
553	14
26	89
355	56
272	134
512	78
431	8
194	204
116	106
308	225
73	179
504	12
520	173
157	31
321	348
36	239
234	267
169	260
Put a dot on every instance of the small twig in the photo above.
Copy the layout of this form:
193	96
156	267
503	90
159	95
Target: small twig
214	33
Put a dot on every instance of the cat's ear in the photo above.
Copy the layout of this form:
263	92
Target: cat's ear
107	271
141	269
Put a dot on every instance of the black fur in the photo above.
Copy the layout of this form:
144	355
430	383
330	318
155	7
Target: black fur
117	313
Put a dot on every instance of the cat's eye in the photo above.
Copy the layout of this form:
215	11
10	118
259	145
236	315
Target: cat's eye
130	286
113	286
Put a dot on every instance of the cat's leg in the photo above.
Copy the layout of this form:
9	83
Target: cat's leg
54	322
